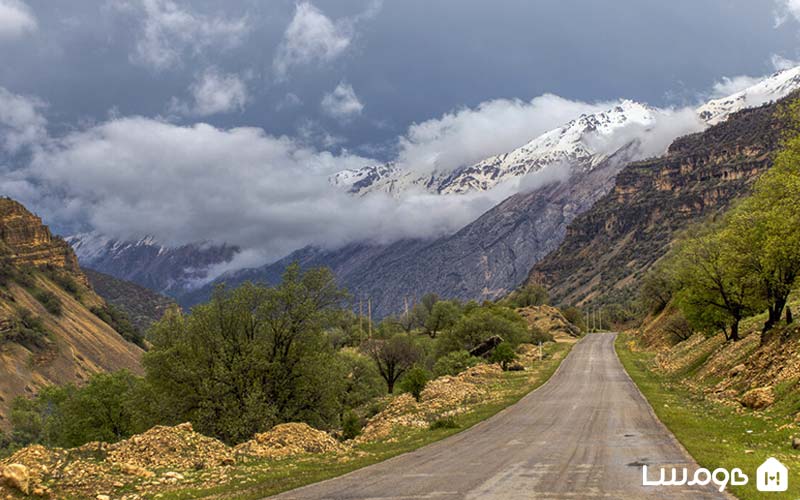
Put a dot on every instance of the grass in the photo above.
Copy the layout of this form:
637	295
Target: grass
269	477
716	435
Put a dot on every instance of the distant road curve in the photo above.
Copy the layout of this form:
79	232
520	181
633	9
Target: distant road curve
583	435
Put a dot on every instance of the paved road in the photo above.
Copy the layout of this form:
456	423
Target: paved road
583	435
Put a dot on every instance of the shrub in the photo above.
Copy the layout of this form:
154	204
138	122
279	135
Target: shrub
351	425
49	301
480	324
454	363
530	295
503	354
444	423
118	320
28	330
414	381
539	335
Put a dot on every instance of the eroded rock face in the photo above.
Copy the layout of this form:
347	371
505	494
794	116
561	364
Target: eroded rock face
758	399
27	241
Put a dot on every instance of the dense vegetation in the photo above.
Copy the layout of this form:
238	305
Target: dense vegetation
746	262
257	356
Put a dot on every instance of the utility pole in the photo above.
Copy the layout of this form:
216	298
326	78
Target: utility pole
369	316
360	319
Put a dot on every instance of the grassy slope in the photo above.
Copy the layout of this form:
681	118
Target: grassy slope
269	477
715	434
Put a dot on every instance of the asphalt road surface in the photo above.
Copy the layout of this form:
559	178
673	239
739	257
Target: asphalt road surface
583	435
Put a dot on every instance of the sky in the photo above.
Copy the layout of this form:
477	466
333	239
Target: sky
221	120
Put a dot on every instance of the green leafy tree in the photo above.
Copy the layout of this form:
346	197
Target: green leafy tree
363	382
764	230
251	358
414	381
443	315
503	354
480	324
715	291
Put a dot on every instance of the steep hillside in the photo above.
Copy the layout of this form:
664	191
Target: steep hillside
48	334
142	305
610	246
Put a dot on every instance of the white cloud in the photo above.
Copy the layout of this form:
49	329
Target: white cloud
21	121
781	63
467	136
310	37
342	103
16	19
132	176
169	32
729	86
786	9
213	93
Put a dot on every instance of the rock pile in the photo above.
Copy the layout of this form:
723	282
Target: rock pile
758	399
178	447
443	397
287	440
550	320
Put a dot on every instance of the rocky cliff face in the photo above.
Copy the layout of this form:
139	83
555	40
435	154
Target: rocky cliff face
609	247
41	344
27	241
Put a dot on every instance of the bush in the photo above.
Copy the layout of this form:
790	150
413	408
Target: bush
539	335
118	320
530	295
64	281
454	363
414	381
28	331
351	425
49	301
503	354
444	423
68	416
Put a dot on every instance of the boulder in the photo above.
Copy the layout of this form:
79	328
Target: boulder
17	476
486	346
795	443
736	370
758	399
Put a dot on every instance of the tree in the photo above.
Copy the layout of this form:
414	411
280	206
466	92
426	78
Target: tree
656	289
362	380
414	381
443	315
715	291
503	354
480	324
393	357
765	231
251	358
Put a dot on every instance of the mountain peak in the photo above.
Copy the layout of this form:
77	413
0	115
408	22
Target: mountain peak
770	89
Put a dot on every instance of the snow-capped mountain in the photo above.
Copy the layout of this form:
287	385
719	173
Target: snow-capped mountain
165	269
576	142
768	90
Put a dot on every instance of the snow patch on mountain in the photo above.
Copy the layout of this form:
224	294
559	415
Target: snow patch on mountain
773	88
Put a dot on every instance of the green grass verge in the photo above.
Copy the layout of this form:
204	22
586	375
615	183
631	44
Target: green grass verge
716	435
269	477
